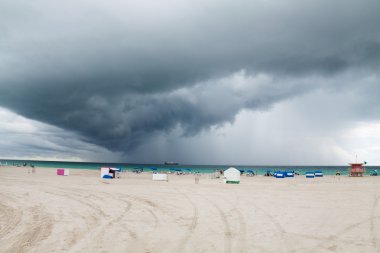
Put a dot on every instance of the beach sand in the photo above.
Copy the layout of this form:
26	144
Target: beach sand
43	212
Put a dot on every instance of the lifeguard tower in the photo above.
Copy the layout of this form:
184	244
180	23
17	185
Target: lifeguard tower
356	170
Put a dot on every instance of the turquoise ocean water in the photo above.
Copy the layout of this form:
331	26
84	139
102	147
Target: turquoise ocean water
260	170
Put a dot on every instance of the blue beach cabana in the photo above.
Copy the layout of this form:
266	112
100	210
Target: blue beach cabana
279	174
289	173
318	173
310	174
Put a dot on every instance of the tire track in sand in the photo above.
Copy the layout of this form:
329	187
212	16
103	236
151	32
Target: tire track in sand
278	229
38	230
9	219
374	223
227	226
150	207
333	238
113	221
149	203
241	234
194	222
103	220
92	219
242	230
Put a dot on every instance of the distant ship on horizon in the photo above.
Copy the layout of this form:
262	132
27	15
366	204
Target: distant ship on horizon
171	163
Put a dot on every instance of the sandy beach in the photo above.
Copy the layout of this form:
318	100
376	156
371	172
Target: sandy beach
43	212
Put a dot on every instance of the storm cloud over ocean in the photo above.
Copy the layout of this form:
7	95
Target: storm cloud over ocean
151	81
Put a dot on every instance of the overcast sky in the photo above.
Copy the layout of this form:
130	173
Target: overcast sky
293	82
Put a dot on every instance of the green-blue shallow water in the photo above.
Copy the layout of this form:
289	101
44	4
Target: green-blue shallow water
260	170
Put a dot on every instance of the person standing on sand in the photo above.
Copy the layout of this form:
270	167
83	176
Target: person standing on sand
196	178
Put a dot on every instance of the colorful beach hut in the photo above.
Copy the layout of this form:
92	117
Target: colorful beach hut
63	172
232	176
356	170
110	172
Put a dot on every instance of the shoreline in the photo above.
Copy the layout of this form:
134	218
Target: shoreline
185	171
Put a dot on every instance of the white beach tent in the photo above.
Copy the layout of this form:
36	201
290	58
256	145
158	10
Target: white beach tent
160	177
232	176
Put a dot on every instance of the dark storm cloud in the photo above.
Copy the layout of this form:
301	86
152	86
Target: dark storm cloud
118	73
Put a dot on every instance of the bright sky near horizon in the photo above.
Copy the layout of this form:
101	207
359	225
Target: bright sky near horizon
197	82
